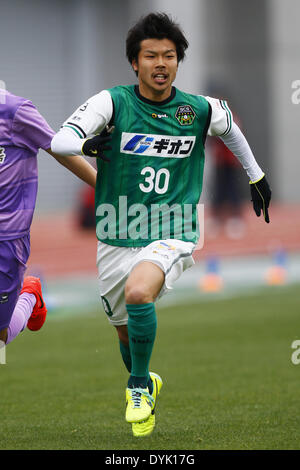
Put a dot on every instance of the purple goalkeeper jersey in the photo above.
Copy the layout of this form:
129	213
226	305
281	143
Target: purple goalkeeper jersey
23	131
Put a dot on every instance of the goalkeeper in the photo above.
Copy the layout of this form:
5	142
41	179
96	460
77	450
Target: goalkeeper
149	143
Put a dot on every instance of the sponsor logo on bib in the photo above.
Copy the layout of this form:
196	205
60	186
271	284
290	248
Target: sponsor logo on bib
159	116
153	145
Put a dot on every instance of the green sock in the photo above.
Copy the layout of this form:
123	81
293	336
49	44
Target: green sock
126	356
141	333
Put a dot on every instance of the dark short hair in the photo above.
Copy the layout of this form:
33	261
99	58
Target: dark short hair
155	26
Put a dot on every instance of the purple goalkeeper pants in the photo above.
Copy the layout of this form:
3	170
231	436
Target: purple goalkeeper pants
13	258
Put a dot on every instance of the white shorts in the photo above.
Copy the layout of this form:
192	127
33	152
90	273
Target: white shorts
116	263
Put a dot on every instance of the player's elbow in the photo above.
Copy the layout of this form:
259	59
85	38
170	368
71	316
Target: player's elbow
64	143
55	147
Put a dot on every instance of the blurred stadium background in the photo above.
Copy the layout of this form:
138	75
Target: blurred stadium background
60	53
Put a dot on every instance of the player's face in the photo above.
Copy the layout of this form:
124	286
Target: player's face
157	67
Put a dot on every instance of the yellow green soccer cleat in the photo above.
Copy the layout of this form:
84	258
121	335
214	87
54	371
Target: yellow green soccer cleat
146	427
139	404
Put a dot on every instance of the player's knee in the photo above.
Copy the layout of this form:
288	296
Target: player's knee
137	294
3	335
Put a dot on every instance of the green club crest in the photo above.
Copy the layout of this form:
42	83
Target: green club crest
185	115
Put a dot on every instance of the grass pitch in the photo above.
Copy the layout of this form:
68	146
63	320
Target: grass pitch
229	382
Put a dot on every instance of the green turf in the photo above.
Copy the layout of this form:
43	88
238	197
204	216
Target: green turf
229	382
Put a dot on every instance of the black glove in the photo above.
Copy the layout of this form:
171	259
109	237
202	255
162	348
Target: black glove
95	146
261	196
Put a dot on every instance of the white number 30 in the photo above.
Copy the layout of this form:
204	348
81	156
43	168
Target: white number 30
159	181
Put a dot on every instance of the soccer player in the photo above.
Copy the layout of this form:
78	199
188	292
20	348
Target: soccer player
149	143
23	131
